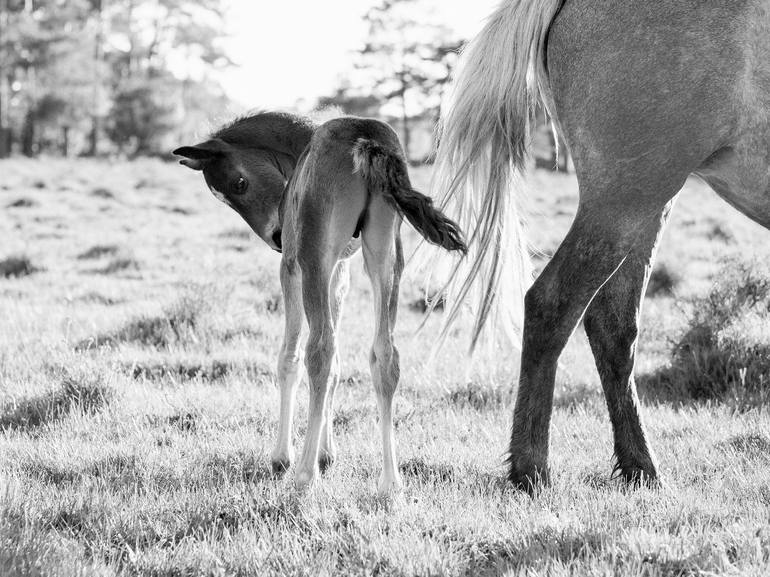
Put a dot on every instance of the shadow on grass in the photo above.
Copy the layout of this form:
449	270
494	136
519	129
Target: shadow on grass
236	467
480	396
428	473
752	446
548	547
497	557
182	371
71	395
114	470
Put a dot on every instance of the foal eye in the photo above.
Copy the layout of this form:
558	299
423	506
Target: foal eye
241	185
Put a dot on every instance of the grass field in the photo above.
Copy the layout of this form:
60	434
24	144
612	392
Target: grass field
139	325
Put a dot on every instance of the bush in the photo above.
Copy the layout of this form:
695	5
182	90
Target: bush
725	351
16	266
662	281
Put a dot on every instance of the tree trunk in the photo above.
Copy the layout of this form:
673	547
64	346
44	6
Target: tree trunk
406	127
65	141
96	95
5	133
28	134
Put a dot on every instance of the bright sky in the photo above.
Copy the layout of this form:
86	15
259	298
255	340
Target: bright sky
295	50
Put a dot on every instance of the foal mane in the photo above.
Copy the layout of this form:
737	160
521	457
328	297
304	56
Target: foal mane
271	130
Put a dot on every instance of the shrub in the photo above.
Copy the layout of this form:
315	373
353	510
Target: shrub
117	265
21	203
16	266
725	351
662	281
98	251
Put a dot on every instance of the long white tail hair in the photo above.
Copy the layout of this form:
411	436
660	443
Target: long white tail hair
483	142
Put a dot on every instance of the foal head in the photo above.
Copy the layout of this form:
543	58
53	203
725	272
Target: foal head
247	164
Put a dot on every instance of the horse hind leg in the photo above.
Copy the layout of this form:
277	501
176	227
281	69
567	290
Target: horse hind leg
340	284
384	262
612	325
318	257
610	217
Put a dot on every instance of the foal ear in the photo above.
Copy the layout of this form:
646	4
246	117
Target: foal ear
196	157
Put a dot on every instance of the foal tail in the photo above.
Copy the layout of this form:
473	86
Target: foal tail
483	141
385	172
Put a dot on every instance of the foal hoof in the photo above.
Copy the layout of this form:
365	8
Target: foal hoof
387	487
528	478
325	460
280	466
304	479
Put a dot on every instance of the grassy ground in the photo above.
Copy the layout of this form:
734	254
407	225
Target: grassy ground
140	324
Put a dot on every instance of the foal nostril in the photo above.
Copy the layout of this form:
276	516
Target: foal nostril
277	239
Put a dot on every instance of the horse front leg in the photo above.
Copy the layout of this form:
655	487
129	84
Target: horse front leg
339	290
384	263
289	368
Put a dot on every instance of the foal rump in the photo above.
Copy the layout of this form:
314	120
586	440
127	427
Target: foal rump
385	173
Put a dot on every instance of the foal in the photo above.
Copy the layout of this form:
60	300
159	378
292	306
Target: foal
317	194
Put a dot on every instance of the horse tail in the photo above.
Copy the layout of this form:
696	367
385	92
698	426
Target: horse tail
483	141
384	171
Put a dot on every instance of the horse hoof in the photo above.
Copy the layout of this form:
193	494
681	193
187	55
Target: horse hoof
529	479
636	478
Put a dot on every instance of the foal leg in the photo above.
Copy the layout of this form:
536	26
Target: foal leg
384	262
340	284
605	230
289	369
612	325
317	271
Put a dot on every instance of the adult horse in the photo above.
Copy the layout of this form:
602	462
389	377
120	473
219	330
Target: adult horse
645	92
